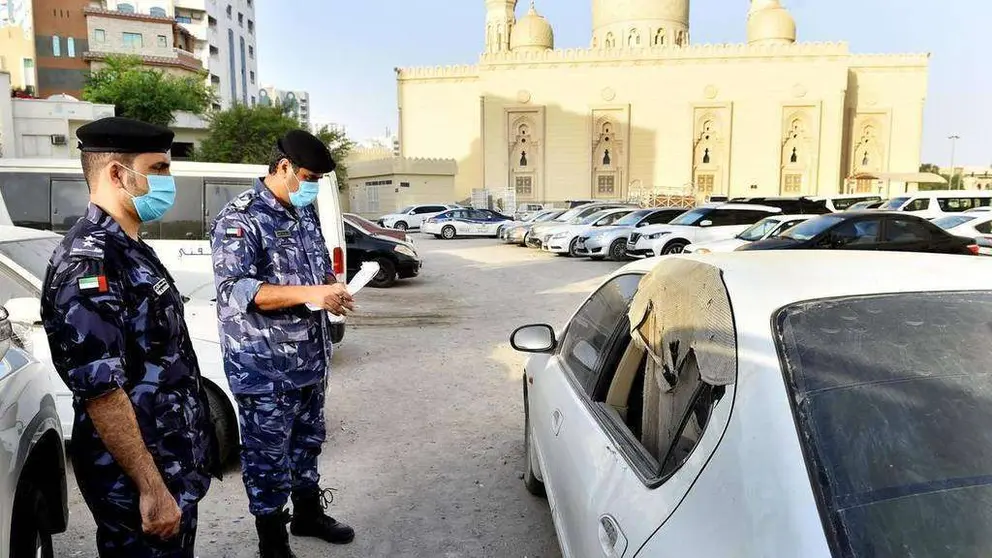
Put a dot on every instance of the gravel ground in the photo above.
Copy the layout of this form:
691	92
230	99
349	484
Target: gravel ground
424	416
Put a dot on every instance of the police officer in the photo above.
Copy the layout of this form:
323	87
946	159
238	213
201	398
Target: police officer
270	264
142	445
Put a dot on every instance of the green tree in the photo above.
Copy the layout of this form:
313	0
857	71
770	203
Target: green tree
248	135
145	94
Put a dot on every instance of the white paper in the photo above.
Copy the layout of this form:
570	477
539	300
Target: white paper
364	276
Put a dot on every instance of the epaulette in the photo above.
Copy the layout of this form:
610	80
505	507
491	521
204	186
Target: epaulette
243	200
89	244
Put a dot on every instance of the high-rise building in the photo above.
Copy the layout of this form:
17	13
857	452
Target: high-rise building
296	103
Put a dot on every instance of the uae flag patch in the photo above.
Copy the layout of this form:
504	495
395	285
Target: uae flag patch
234	232
95	283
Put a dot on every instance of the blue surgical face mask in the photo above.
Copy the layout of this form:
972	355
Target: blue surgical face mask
305	195
158	201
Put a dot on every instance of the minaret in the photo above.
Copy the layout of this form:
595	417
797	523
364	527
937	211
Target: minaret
500	18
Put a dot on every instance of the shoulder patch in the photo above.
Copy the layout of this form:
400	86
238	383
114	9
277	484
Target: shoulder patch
243	200
89	244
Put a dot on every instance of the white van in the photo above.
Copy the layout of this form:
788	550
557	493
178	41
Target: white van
939	203
51	194
843	202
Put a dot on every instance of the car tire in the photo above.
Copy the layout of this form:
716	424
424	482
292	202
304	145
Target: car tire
531	482
448	233
401	226
387	274
572	247
225	424
29	531
618	250
674	247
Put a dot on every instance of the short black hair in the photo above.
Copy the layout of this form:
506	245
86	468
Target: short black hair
94	162
277	157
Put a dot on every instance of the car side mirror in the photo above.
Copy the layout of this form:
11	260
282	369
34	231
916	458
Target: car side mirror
706	223
24	310
534	339
6	332
639	225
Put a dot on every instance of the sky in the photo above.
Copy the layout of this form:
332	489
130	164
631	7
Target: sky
344	52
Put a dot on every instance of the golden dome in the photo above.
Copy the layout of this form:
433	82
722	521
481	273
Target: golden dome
770	23
532	33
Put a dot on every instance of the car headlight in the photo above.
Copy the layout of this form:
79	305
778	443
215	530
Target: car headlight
406	250
703	251
559	236
656	236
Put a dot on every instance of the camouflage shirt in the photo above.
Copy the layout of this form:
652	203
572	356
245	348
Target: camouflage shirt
255	240
115	320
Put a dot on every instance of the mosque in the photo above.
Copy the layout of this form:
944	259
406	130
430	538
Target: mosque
644	109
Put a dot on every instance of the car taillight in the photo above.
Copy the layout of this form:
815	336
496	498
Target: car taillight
973	248
338	262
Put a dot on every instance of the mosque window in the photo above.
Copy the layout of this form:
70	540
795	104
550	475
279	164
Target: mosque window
606	158
705	183
606	185
523	158
864	161
659	37
633	38
525	186
706	156
795	155
793	183
611	41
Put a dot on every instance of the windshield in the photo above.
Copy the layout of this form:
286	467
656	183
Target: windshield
759	230
633	218
594	217
690	218
569	215
32	255
811	228
892	396
952	221
894	203
547	216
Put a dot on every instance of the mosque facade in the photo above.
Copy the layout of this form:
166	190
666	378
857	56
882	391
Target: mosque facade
644	109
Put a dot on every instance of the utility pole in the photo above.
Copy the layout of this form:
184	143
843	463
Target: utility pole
954	140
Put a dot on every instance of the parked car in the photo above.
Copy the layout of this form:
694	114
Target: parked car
861	206
527	210
768	227
412	217
868	230
538	232
396	259
33	494
611	242
370	227
968	224
938	203
715	408
540	217
800	205
465	222
564	240
703	224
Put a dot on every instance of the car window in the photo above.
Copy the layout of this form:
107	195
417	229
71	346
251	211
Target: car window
28	198
905	230
811	228
633	218
217	194
786	226
853	233
32	255
434	209
13	286
952	221
662	217
479	215
955	205
919	204
722	218
185	220
759	230
984	228
892	397
610	219
69	200
587	340
894	204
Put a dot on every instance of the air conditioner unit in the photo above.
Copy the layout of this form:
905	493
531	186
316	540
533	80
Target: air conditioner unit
58	139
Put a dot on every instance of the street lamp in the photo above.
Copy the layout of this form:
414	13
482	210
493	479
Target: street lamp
954	141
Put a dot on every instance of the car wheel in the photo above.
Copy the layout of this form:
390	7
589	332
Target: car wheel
674	247
401	226
618	250
225	425
531	482
387	274
448	232
29	532
572	247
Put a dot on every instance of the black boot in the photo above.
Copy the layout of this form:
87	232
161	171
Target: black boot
273	541
309	519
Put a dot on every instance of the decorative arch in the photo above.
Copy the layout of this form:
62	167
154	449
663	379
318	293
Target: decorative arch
633	38
526	159
797	154
708	154
659	37
611	41
608	158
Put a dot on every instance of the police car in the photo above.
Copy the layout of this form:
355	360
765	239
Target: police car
465	222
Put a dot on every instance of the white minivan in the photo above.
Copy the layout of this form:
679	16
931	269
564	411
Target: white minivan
702	224
939	203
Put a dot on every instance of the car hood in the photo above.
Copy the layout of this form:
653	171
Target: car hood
771	244
611	230
568	229
728	245
540	228
392	216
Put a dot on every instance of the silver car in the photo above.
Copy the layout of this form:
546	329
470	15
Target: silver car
539	233
611	242
514	232
33	494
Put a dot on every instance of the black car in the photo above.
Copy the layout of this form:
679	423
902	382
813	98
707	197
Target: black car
789	206
396	259
868	230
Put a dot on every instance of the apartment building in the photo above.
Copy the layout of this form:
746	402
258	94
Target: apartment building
296	103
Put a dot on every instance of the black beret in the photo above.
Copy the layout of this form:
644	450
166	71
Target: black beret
124	135
307	151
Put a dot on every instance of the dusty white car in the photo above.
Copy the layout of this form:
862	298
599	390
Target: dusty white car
412	217
838	406
24	255
564	240
703	224
765	228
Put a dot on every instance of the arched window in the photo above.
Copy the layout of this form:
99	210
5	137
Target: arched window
523	158
864	161
795	155
659	38
706	156
633	38
56	46
125	8
611	41
157	12
606	158
70	47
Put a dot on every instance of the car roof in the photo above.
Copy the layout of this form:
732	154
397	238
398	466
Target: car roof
750	206
802	275
792	216
10	234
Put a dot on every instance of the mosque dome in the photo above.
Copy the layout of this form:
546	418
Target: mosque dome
768	23
532	33
639	23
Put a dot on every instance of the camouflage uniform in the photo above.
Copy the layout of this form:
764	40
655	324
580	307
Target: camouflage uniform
115	320
276	362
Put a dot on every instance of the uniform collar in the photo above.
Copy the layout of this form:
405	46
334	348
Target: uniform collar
96	215
270	199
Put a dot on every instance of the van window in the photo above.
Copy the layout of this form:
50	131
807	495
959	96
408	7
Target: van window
957	205
69	200
218	193
28	199
919	204
185	220
845	203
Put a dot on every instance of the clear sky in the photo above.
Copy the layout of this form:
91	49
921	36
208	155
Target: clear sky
344	52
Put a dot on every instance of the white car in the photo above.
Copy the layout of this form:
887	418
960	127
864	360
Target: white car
563	240
968	224
24	255
33	493
412	217
703	224
836	406
765	228
465	222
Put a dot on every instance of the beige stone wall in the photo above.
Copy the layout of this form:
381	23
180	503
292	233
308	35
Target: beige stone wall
760	106
114	29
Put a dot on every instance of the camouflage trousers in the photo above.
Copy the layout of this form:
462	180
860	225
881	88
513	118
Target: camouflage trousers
281	438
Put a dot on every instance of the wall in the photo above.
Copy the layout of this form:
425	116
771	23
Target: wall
428	181
115	27
16	46
8	141
64	19
36	120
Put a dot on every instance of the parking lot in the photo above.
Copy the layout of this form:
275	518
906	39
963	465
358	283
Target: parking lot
425	416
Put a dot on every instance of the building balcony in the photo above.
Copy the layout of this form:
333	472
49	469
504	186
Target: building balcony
181	59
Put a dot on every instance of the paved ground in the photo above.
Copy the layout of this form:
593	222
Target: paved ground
424	415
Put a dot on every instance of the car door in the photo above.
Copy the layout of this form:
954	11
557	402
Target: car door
561	417
910	235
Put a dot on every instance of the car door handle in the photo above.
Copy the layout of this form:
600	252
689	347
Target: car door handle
611	538
556	419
